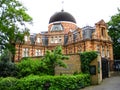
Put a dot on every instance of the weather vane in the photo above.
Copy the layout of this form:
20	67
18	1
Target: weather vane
62	6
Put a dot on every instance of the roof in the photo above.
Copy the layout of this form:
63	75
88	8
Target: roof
87	32
62	16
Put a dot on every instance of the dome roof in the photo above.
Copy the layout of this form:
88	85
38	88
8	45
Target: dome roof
62	16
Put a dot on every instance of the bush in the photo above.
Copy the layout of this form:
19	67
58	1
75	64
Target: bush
32	82
8	83
29	66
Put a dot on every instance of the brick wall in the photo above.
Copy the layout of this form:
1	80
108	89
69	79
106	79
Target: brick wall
73	65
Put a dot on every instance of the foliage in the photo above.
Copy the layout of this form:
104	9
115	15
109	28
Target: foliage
54	58
29	66
7	68
13	20
33	82
114	32
8	83
86	58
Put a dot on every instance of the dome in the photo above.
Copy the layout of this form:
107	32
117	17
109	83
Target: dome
62	16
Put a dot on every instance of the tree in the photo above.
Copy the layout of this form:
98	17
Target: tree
114	32
13	20
54	58
7	68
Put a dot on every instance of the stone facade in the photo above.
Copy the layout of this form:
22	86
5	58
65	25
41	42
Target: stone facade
72	39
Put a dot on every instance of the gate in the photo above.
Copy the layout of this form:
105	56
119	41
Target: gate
105	68
117	65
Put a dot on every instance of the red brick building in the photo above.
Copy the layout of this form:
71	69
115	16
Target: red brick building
62	30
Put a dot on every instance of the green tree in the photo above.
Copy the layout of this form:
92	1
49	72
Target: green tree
54	58
29	66
13	20
114	32
7	68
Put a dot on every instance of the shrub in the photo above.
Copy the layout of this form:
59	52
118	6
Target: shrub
8	83
34	82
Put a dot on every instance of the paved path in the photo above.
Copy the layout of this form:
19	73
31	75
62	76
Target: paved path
112	83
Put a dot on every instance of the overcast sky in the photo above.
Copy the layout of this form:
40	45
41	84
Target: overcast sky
86	12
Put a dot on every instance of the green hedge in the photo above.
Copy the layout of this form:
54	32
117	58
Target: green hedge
32	82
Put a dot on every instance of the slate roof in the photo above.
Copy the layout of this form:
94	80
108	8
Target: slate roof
87	32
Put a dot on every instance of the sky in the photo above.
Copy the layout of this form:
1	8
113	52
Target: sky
86	12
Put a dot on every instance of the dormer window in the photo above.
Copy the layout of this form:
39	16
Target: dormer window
56	27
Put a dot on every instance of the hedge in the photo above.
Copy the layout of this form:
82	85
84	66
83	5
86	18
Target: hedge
34	82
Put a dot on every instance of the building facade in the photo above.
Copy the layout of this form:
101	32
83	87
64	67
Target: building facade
63	30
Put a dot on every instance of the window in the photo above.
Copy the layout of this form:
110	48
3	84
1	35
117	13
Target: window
98	48
70	51
108	53
38	52
56	39
25	52
79	49
52	40
103	51
78	34
26	38
57	27
38	39
59	40
103	32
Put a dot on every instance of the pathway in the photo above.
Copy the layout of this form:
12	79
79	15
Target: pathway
112	83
